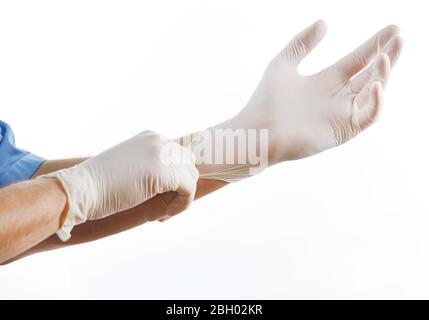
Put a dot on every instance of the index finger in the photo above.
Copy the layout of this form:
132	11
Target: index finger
362	56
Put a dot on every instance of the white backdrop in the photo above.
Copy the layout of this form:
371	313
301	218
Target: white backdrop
79	76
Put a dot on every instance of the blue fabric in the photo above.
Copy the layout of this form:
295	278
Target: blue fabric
15	164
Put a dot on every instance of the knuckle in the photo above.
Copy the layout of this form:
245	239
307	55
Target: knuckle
187	202
148	133
360	59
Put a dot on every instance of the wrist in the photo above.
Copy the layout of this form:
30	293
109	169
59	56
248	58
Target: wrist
260	123
280	146
232	150
80	193
58	196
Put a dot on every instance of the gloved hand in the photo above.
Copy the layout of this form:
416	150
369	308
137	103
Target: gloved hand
305	115
125	176
308	114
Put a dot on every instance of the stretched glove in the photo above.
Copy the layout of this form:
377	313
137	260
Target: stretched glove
125	176
305	115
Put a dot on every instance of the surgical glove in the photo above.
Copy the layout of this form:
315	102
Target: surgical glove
125	176
305	115
309	114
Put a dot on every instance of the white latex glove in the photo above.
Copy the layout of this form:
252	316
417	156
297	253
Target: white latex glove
308	114
305	115
125	176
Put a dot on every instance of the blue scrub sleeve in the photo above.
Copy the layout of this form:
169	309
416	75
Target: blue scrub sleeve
15	164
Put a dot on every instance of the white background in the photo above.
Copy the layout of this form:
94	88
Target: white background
352	222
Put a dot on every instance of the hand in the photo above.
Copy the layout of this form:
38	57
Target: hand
125	176
308	114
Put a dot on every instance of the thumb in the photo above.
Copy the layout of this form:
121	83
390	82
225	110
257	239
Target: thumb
305	41
187	176
369	113
183	198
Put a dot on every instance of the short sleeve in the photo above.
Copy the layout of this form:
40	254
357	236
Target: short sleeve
15	164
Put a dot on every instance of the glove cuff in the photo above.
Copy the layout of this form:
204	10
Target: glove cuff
80	195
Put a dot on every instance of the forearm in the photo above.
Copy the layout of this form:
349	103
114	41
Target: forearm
232	150
54	165
150	210
204	186
30	212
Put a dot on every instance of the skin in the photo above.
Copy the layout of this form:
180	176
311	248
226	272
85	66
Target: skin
31	212
34	210
21	227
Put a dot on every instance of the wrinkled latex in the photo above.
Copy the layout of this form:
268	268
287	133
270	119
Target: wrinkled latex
125	176
309	114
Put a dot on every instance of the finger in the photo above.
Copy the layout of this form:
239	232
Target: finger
393	50
357	60
302	44
370	113
380	74
187	175
166	199
185	195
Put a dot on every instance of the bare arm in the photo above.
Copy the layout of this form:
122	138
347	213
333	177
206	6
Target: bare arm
38	215
30	227
92	230
305	115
